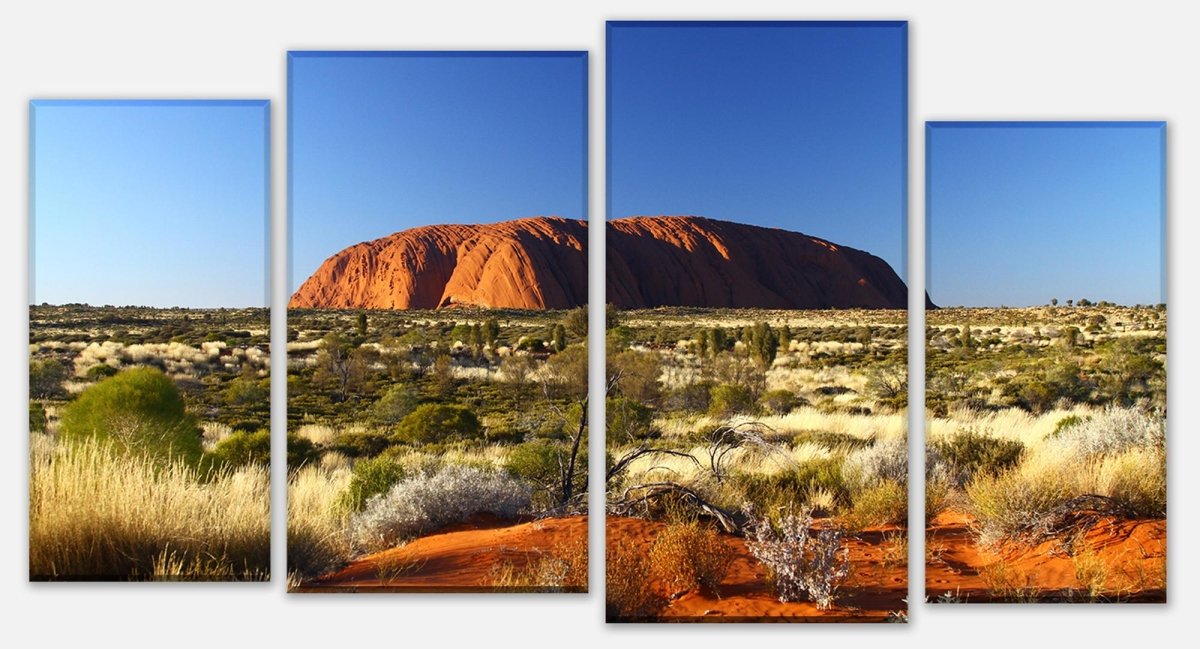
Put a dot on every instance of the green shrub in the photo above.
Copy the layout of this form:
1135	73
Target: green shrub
627	419
369	478
781	402
885	503
831	440
244	447
540	463
46	379
769	493
301	451
140	411
99	372
727	400
394	405
536	461
247	391
969	454
361	444
432	422
249	424
37	417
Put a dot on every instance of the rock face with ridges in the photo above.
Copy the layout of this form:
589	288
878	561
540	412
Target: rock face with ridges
541	263
694	261
534	263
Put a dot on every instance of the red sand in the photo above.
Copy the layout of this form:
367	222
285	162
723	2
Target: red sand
1133	552
457	559
871	593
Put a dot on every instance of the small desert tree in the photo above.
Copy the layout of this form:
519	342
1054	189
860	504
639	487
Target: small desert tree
394	405
432	422
341	365
46	379
139	411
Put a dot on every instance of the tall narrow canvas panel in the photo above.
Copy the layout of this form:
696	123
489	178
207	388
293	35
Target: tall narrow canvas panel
437	326
757	322
1046	362
149	392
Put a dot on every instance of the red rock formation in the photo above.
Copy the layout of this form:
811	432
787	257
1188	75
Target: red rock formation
693	261
535	263
541	263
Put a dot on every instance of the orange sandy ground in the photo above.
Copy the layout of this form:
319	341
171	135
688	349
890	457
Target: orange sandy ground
872	591
1125	558
459	559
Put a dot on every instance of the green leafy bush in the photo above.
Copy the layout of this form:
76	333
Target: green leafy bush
543	465
394	405
361	443
884	503
627	419
369	478
727	400
244	447
248	391
769	493
432	422
139	411
969	454
46	379
99	372
301	451
37	417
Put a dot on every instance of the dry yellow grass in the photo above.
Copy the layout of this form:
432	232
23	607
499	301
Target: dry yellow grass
563	568
97	514
1012	423
880	427
317	521
688	556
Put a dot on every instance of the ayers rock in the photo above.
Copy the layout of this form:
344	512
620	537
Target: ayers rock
694	261
534	263
541	263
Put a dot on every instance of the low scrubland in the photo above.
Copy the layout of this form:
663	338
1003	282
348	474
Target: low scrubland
1044	423
783	430
149	449
403	424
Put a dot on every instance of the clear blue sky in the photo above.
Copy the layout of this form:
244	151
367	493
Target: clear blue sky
800	126
149	203
386	141
1020	213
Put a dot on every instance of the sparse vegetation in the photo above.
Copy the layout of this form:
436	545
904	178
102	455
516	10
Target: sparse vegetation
690	556
784	430
149	447
1050	423
418	420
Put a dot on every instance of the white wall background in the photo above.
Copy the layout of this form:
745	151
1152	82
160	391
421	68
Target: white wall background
1013	60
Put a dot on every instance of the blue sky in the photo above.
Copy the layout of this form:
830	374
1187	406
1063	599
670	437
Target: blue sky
149	203
1021	213
386	141
800	126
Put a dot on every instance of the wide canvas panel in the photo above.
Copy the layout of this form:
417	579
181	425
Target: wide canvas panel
1046	362
756	413
437	326
149	387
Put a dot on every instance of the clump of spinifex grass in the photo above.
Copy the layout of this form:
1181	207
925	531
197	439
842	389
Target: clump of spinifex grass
95	513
